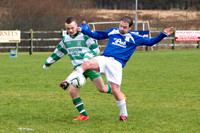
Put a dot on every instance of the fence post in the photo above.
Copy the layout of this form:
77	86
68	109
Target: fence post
173	40
157	21
17	44
186	18
147	48
62	33
17	47
198	42
31	42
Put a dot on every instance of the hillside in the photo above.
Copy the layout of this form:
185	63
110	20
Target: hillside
54	20
158	19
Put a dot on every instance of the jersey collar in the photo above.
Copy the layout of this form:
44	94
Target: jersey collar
78	33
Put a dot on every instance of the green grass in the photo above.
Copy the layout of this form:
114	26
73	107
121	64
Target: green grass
162	89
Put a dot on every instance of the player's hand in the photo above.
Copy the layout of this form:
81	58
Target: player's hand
79	29
169	31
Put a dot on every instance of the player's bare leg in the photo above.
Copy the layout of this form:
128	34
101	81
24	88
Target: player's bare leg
120	101
101	87
73	92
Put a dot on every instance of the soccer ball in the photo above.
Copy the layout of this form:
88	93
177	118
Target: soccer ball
79	80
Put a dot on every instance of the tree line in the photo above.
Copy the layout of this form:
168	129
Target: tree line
149	4
50	14
110	4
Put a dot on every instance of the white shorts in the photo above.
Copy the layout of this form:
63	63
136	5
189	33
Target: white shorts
111	68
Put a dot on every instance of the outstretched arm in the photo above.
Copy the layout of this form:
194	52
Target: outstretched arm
96	34
154	40
58	53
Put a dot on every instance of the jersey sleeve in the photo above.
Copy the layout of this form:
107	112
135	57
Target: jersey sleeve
151	41
96	34
80	25
94	49
58	53
88	26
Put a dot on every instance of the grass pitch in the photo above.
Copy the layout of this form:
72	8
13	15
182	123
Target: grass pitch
162	89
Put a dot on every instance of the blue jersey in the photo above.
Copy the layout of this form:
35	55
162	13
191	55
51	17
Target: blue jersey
85	27
122	46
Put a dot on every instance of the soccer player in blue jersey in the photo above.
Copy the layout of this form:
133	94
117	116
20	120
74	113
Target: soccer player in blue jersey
121	45
84	25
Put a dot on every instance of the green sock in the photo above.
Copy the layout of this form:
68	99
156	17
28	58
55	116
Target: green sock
79	105
109	89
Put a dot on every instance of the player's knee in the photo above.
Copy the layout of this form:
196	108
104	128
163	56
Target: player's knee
86	65
102	90
72	91
115	91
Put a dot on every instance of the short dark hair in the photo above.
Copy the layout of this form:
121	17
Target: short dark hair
83	20
70	19
128	20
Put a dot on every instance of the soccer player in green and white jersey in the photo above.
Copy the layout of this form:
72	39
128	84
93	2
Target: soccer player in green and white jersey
79	48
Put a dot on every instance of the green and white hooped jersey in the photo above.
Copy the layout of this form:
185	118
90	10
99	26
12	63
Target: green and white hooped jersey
79	48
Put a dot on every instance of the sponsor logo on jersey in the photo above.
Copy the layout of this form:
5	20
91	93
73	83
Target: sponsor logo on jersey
74	51
119	42
78	43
